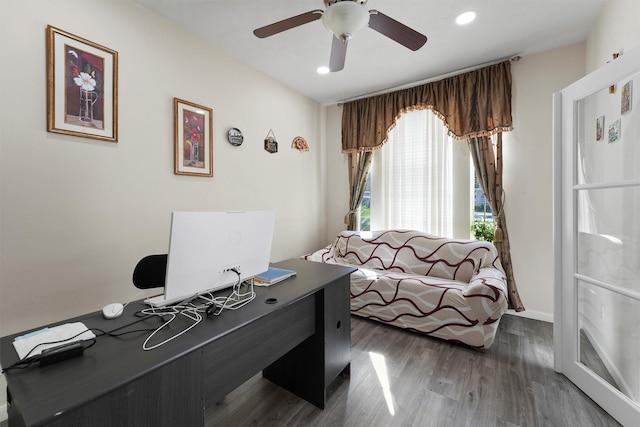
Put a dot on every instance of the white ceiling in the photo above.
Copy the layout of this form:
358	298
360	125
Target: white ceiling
374	63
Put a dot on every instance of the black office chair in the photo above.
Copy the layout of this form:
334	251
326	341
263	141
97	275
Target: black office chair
150	272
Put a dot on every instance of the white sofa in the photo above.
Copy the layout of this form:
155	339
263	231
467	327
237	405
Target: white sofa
446	288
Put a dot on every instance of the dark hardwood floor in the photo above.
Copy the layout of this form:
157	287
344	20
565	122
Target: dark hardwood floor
400	378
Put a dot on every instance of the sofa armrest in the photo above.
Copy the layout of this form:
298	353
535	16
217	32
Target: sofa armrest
487	294
322	255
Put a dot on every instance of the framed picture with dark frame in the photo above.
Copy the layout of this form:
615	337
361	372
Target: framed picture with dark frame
193	126
82	87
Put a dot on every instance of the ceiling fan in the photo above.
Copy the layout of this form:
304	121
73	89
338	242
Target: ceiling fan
344	18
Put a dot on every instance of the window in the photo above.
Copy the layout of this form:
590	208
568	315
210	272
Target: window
420	179
365	207
482	226
481	208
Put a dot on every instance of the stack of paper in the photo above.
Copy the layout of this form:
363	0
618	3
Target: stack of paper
33	343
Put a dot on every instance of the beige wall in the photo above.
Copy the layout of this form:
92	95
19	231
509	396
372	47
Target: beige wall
617	30
77	214
528	171
337	176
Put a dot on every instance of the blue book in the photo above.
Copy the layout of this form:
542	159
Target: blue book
272	276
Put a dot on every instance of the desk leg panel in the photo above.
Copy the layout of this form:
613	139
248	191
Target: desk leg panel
13	412
309	368
239	355
301	371
337	327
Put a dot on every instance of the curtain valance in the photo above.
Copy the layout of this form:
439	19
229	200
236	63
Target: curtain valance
473	104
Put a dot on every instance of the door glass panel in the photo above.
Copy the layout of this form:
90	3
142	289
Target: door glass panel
609	235
609	134
609	337
599	157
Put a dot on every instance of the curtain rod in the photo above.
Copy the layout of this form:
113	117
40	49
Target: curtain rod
432	79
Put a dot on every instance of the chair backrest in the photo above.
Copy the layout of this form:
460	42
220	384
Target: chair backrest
150	272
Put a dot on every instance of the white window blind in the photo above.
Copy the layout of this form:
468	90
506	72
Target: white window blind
412	177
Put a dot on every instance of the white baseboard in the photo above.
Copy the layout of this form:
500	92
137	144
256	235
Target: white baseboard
3	413
535	315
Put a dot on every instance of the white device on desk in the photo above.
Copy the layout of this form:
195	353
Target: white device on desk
113	310
209	251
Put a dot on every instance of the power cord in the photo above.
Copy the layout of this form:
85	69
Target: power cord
193	310
212	305
234	300
46	354
190	312
73	348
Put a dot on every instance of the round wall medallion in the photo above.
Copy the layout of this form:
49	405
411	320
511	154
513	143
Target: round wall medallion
299	143
235	136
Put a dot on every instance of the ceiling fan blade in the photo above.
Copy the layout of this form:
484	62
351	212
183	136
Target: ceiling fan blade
338	54
408	37
287	24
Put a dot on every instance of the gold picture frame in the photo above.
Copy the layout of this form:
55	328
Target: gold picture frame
82	87
193	139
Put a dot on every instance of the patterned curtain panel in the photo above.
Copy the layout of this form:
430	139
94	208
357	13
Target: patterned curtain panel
359	164
488	165
473	106
477	103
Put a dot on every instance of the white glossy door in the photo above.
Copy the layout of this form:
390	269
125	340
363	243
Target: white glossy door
597	233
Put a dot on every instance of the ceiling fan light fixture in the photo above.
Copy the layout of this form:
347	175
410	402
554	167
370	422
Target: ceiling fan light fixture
345	18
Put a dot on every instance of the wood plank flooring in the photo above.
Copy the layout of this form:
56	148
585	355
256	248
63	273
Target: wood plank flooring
426	382
399	378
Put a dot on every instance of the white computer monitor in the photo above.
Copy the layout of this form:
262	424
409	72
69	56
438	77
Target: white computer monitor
206	247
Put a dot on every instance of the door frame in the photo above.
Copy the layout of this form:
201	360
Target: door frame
566	358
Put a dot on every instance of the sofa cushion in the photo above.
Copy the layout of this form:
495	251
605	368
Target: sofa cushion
409	251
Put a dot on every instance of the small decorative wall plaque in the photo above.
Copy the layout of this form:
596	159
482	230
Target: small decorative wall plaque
235	137
614	131
270	143
600	128
299	143
626	96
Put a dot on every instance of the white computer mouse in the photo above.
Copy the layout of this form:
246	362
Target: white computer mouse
113	310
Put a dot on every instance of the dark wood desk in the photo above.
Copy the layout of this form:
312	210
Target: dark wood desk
302	343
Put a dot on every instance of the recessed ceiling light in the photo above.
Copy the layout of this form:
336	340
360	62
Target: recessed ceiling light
323	70
465	18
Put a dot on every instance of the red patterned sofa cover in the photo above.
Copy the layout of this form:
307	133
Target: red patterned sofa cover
446	288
